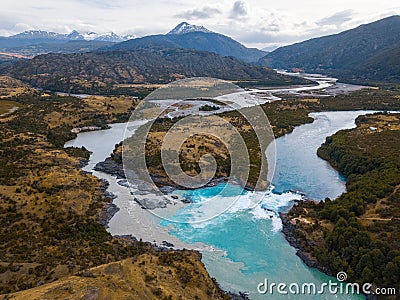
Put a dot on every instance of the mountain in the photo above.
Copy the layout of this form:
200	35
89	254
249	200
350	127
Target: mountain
75	46
110	37
106	37
193	37
32	37
367	53
184	35
185	27
35	42
383	67
35	37
66	72
38	35
74	35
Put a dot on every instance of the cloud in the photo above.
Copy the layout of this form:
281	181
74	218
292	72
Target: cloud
239	10
101	3
199	13
19	27
253	22
337	19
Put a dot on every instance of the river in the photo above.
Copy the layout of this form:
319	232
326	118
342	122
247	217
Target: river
243	246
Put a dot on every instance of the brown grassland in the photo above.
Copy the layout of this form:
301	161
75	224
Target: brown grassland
50	210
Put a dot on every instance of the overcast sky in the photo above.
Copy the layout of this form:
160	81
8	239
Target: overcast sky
256	23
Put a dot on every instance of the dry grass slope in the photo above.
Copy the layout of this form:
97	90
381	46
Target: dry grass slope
50	210
169	275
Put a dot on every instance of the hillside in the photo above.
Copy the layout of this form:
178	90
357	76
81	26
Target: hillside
79	46
384	66
194	37
358	233
88	71
367	53
52	214
163	275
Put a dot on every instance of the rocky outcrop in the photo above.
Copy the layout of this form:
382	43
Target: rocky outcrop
110	166
297	240
110	209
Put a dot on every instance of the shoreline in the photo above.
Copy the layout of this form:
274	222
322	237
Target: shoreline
111	167
117	169
290	232
164	243
110	209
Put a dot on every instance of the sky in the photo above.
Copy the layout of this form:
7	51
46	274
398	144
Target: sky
255	23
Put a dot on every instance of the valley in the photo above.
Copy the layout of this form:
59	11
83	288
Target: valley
130	220
188	165
368	54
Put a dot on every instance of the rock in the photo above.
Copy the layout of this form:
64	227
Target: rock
123	182
88	274
129	237
291	232
152	203
167	244
110	166
107	214
92	293
174	197
110	195
104	184
167	189
186	200
83	163
239	296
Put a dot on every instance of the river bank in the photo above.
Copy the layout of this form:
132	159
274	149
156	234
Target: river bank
131	219
290	229
225	250
367	212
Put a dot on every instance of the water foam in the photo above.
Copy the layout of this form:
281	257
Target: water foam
261	205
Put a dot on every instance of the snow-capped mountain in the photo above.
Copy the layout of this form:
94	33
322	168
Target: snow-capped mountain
110	37
73	36
106	37
184	35
34	42
89	36
188	36
39	34
185	27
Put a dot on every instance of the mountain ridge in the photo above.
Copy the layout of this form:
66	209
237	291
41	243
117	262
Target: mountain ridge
185	27
350	55
63	72
188	36
73	35
36	42
184	35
